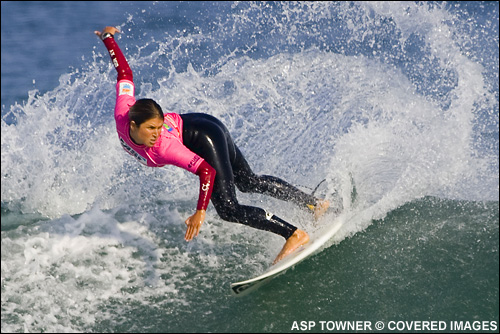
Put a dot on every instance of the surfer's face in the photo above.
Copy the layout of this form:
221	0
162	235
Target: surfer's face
147	133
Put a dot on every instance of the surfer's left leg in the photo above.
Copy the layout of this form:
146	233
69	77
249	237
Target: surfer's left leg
229	210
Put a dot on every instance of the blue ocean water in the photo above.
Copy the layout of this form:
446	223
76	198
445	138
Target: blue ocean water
398	99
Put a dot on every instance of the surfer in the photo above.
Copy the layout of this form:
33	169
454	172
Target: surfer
201	144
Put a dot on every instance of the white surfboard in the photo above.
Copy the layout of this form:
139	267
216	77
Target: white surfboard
316	241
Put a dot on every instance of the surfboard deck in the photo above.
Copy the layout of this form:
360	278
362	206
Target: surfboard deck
316	241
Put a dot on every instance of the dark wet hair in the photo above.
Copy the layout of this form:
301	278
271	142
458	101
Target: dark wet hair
143	110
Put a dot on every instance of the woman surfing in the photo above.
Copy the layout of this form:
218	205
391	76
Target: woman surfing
202	145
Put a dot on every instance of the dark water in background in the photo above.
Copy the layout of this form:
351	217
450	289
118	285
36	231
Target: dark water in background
400	99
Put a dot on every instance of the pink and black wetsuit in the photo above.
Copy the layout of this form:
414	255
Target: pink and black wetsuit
201	144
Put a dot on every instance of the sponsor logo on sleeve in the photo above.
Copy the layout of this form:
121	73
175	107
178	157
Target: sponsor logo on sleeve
205	186
125	88
193	161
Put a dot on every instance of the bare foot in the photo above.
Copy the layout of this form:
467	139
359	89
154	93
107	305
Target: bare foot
297	239
320	208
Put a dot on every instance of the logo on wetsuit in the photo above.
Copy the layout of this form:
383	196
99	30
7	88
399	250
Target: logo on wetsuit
205	186
169	129
133	153
126	88
193	161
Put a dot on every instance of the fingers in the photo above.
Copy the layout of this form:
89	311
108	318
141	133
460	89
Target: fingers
193	229
194	224
111	30
189	233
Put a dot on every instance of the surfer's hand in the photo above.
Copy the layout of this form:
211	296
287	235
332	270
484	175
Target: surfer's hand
111	30
194	224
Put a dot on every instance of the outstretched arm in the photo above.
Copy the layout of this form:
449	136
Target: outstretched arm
117	57
207	177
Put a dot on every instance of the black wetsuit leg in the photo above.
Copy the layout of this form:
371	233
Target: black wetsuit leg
206	136
247	181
